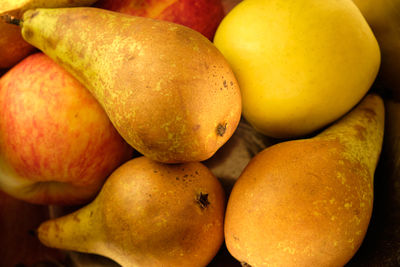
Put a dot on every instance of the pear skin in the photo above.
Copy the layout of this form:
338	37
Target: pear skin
13	48
308	202
147	214
166	88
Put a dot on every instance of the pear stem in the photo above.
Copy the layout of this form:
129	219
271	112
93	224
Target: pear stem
11	19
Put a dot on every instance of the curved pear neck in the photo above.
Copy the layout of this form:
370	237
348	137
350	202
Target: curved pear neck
360	132
79	231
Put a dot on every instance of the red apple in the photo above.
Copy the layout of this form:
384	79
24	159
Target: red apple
57	145
203	16
18	243
230	4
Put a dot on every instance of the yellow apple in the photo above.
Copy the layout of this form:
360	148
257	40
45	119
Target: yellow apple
300	64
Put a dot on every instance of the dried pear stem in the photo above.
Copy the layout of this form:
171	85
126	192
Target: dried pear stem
11	19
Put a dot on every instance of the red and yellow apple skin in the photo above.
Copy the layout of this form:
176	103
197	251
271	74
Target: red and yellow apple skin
57	145
203	16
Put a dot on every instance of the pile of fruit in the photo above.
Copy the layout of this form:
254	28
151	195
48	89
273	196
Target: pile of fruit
194	132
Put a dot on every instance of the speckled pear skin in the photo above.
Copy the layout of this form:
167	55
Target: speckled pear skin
166	88
308	202
147	214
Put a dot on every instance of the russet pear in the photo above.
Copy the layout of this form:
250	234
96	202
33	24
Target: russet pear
308	202
166	88
147	214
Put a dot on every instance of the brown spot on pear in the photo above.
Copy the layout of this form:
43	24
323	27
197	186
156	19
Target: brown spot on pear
221	129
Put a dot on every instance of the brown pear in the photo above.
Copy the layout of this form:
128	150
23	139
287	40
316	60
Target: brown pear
166	88
147	214
308	202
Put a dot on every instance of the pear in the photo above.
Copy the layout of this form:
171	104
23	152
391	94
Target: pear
381	244
308	202
147	214
12	47
166	88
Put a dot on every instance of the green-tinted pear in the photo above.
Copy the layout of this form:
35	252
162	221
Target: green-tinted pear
166	88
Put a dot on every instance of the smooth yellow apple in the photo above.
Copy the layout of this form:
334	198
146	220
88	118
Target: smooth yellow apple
300	64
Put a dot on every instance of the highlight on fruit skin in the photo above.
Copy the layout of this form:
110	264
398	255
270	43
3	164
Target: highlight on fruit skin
308	202
166	88
147	214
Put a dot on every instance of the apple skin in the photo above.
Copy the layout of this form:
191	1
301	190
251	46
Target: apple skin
203	16
57	145
19	245
230	4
